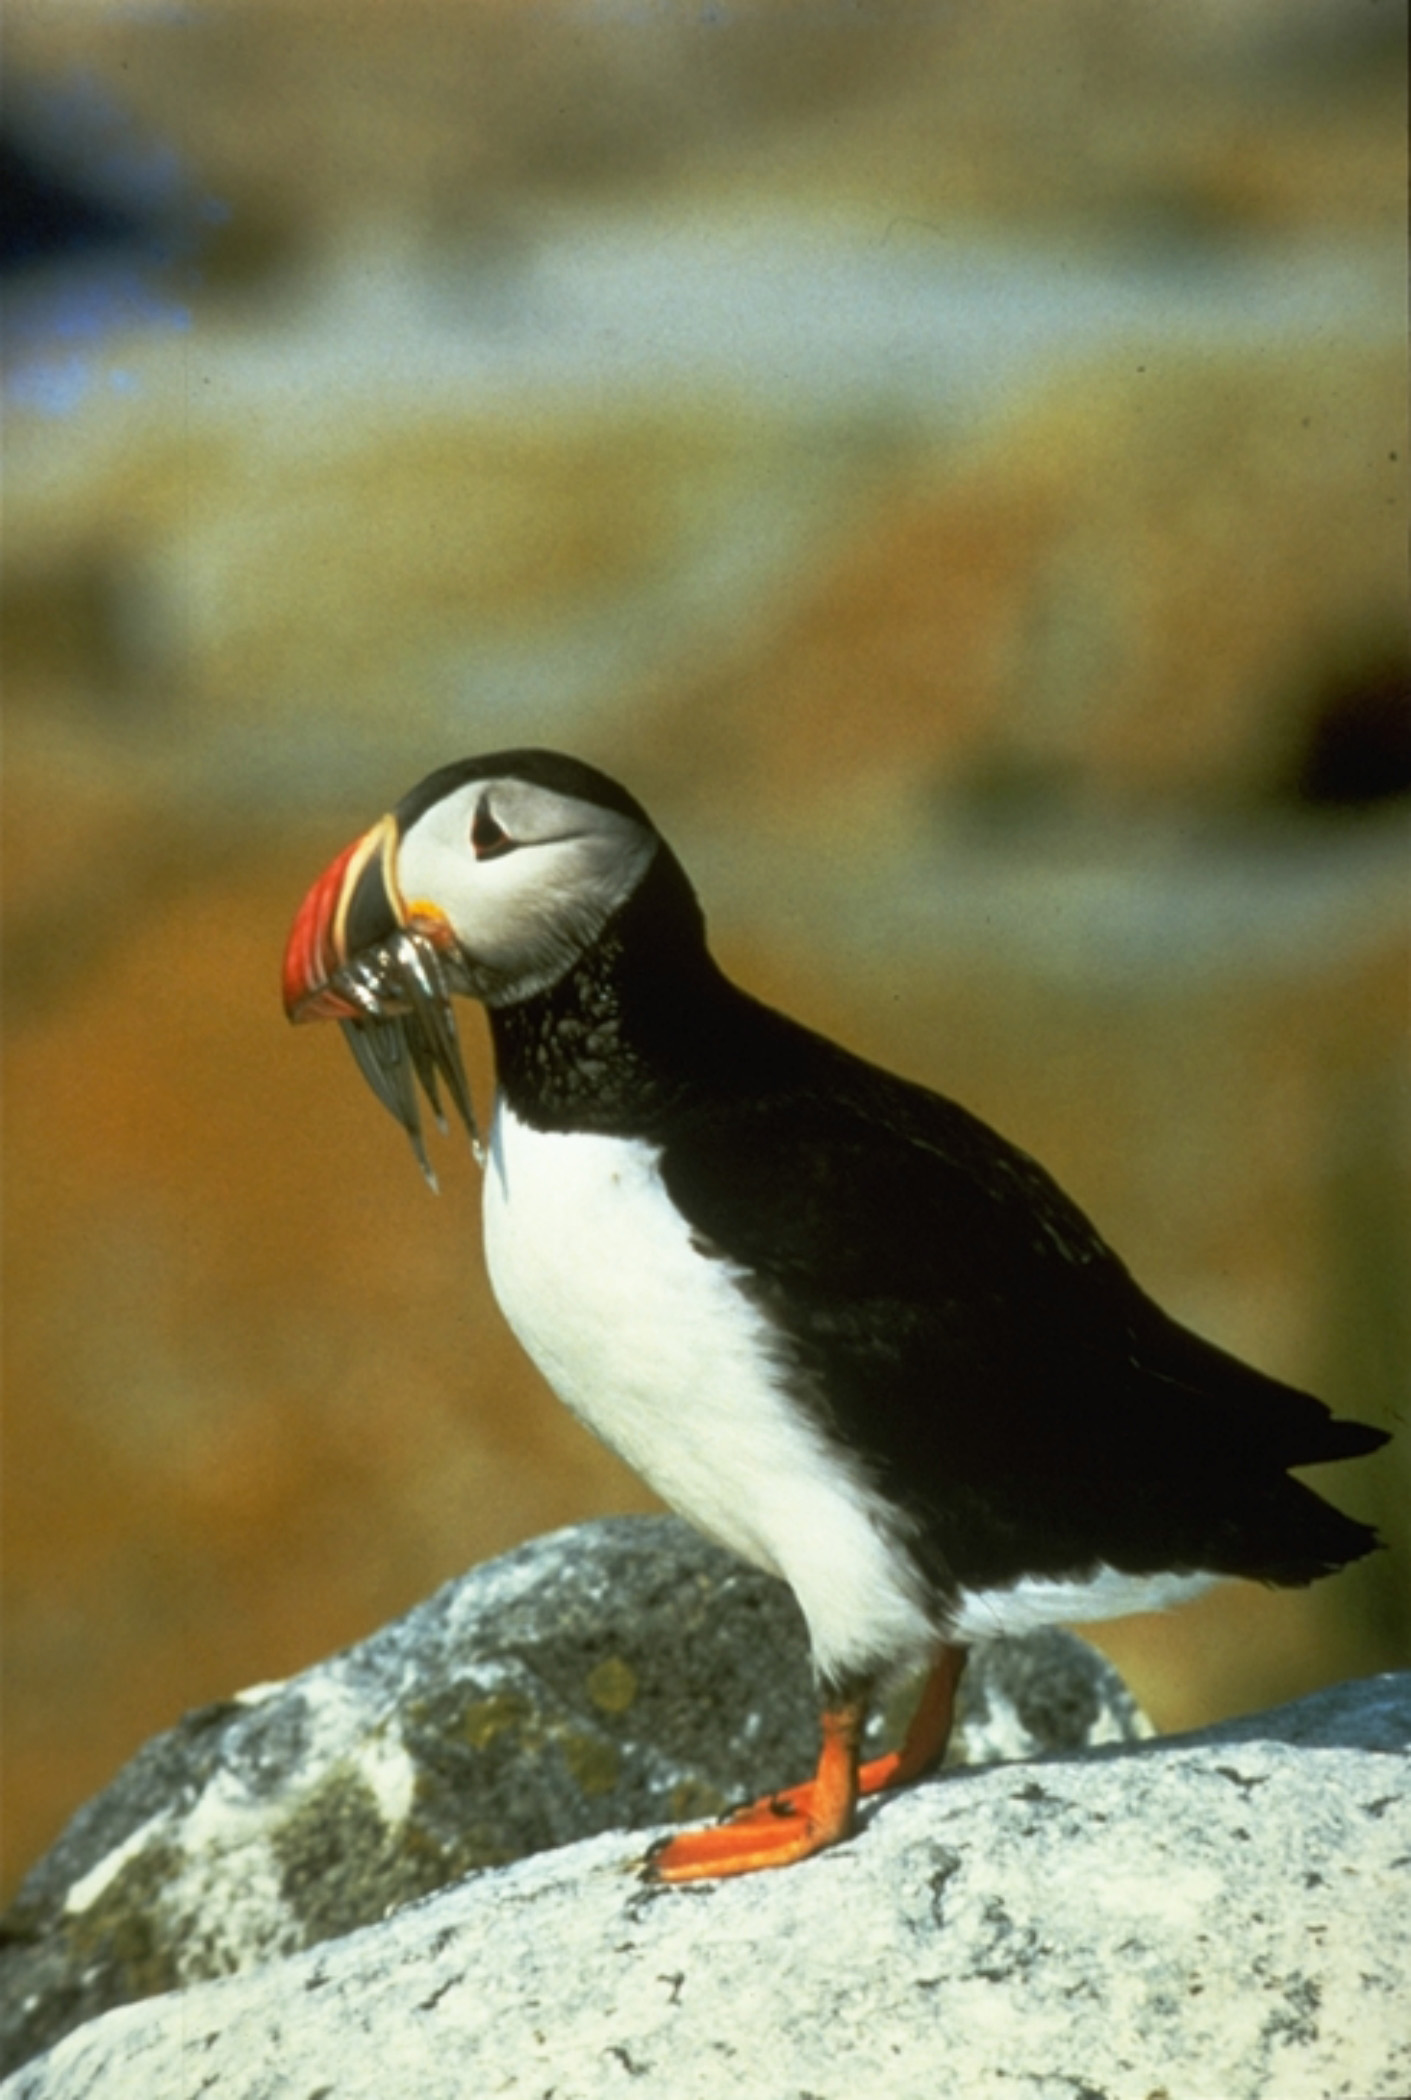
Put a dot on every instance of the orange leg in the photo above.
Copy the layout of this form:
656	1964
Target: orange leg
924	1745
928	1731
786	1826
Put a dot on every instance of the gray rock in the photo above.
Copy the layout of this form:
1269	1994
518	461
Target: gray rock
616	1676
1217	1917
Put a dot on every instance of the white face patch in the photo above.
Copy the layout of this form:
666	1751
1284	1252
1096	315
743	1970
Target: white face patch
658	1349
525	907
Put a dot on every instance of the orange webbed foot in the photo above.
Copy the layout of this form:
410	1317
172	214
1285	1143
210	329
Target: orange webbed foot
802	1801
798	1821
780	1828
726	1849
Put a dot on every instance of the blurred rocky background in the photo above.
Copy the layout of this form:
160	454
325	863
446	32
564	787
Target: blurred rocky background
949	458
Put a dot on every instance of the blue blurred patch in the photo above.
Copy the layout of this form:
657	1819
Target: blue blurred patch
100	231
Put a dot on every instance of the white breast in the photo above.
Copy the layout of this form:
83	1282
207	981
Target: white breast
656	1346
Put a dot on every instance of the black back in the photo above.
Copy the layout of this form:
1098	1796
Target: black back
948	1313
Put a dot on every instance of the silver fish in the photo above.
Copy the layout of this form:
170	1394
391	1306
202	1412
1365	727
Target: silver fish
405	1033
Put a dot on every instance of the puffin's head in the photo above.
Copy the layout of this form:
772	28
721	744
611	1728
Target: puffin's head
492	877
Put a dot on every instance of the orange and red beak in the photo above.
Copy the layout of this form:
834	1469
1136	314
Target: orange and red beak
354	905
359	954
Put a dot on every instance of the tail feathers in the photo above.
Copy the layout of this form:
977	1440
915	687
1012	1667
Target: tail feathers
1239	1407
1284	1533
1346	1439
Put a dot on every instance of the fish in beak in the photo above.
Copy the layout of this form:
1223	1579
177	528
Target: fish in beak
357	954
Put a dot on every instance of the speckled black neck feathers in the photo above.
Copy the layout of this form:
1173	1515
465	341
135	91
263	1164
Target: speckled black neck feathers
619	1040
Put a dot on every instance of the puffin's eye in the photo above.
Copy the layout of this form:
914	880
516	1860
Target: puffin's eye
487	836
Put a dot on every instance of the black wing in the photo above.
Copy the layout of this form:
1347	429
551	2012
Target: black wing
956	1318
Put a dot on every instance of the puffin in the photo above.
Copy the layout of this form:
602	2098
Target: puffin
831	1317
